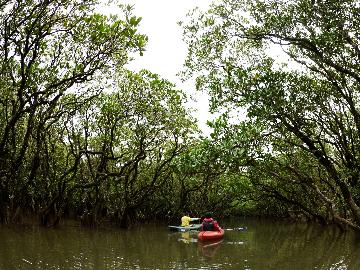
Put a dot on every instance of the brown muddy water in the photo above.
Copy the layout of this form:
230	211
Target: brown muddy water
264	245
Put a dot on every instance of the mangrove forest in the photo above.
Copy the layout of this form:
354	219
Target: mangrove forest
84	137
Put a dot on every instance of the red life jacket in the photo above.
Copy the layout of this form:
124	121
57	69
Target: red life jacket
208	224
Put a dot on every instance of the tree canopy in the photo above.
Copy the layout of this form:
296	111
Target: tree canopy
305	110
83	137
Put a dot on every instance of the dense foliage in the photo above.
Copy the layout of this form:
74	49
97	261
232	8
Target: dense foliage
83	137
302	113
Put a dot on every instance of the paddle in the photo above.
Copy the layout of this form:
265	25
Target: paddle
236	229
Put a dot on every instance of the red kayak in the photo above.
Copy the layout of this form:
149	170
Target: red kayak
210	235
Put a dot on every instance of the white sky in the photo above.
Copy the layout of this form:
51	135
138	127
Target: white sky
165	52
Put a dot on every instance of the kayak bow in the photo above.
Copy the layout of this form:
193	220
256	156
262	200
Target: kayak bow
210	235
192	227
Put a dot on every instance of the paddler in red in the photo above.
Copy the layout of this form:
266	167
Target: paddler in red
209	224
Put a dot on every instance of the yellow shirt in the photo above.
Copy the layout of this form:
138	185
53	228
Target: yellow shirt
185	221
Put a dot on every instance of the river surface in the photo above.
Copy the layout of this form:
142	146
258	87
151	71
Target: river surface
264	245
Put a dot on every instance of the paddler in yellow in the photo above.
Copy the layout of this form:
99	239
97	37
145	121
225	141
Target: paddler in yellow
185	220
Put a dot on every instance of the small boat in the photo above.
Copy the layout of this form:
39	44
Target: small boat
211	235
192	227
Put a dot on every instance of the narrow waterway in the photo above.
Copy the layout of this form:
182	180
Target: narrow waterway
264	245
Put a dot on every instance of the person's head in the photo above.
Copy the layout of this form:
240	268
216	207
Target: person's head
208	215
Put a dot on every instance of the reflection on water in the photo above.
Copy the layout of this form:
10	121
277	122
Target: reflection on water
265	245
209	249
